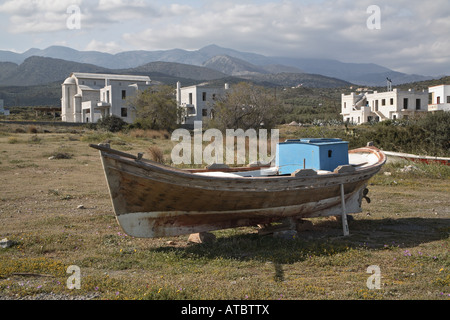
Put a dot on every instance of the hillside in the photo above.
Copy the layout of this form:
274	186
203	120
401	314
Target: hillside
177	70
233	66
358	73
37	81
38	71
298	79
42	95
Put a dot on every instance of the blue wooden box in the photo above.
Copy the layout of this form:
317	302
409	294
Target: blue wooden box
316	154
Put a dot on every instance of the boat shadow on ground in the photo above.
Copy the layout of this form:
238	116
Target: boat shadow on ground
324	243
324	238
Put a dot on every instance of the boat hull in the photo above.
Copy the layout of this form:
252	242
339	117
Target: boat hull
398	156
152	200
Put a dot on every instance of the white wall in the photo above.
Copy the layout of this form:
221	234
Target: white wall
383	105
440	98
196	99
94	91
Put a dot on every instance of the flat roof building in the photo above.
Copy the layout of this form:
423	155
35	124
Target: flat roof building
440	98
198	101
88	97
379	106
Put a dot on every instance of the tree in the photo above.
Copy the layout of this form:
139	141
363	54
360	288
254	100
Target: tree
156	108
245	106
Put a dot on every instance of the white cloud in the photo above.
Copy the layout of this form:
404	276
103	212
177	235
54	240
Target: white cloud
412	32
37	16
108	47
40	16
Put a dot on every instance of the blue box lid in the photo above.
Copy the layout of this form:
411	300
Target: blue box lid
316	141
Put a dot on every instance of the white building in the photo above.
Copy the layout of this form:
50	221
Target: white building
379	106
88	97
440	98
198	101
3	111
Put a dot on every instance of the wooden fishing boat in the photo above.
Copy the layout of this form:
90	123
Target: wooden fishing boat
398	156
153	200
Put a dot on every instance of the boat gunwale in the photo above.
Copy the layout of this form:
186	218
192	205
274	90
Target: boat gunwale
186	173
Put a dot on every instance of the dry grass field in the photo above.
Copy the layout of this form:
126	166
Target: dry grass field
46	177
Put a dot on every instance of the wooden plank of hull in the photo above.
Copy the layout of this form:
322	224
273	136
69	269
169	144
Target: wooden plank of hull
174	223
156	201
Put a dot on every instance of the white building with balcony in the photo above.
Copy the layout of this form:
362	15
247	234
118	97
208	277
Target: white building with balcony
198	101
89	97
440	98
379	106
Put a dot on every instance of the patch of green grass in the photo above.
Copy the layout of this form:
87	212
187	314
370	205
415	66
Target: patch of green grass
97	137
31	265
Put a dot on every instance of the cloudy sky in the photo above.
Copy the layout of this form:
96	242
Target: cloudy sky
410	36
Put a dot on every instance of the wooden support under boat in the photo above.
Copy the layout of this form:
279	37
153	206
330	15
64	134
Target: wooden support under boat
344	213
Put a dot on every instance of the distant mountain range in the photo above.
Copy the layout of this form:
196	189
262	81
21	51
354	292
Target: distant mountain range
209	63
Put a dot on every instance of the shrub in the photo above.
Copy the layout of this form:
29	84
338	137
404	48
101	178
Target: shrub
32	129
155	154
112	124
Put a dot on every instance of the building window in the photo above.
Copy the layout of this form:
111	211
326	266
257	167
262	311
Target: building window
345	105
392	101
438	100
204	112
204	96
124	94
124	112
448	99
405	103
383	102
418	103
190	98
